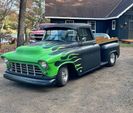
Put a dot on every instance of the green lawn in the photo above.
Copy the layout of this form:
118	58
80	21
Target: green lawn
126	45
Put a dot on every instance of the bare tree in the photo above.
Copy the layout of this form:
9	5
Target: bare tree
36	9
5	8
21	24
40	4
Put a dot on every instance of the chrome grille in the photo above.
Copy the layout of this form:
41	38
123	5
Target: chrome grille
25	69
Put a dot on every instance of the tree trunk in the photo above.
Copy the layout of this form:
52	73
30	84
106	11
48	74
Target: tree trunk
21	24
26	36
1	29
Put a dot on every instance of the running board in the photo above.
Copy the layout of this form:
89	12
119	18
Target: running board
103	63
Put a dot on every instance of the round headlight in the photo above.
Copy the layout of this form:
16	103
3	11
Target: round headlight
5	60
43	64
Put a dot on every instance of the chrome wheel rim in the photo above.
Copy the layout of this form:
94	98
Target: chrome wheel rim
64	74
112	58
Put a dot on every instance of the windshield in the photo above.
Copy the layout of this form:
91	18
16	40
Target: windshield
68	35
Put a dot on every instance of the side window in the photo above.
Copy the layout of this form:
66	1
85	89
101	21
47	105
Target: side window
92	26
113	24
85	34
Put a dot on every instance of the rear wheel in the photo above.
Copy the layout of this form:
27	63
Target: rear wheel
112	59
62	77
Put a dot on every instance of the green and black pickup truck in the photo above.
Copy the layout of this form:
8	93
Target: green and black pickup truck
66	50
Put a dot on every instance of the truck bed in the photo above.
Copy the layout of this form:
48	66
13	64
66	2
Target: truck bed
101	40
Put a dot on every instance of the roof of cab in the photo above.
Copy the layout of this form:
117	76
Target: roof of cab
66	26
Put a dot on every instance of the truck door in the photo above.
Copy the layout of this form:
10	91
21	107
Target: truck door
88	49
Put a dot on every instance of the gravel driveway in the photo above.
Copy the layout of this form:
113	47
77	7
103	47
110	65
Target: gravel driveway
106	90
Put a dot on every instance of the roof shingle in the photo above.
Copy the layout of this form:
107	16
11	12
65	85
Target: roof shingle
86	8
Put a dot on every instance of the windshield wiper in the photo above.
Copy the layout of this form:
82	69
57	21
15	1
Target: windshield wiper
60	40
48	40
56	40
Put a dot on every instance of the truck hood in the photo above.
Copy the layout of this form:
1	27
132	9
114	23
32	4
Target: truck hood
46	51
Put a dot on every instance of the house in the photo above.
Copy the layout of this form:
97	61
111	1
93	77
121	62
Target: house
114	17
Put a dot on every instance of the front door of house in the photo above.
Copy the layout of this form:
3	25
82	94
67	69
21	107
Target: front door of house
130	33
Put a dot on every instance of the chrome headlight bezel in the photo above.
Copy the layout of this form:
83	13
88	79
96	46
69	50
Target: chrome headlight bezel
43	64
6	61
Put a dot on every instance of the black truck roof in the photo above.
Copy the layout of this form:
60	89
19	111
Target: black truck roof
66	26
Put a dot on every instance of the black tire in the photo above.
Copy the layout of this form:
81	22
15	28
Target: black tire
112	59
62	77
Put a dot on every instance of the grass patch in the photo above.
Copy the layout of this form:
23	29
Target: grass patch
126	45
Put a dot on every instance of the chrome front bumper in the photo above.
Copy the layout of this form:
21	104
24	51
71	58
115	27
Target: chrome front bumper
28	80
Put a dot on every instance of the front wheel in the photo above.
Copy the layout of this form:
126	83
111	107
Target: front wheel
112	59
62	77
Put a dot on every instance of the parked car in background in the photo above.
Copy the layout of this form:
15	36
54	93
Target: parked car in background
8	38
3	41
37	34
101	35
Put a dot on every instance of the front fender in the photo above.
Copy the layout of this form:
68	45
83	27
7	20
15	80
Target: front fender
54	69
71	58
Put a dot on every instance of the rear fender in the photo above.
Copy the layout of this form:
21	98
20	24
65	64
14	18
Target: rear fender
107	49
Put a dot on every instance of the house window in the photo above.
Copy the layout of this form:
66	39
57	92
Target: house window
130	17
69	21
113	24
92	26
